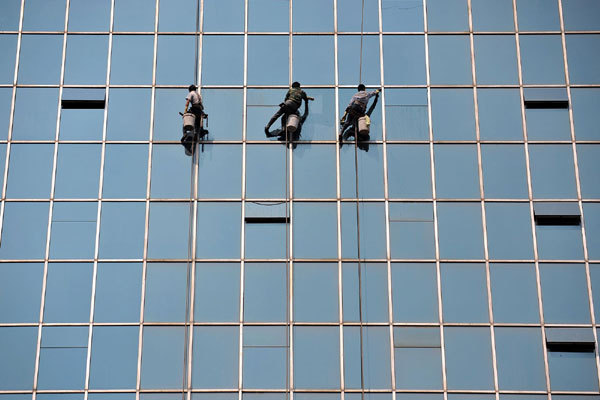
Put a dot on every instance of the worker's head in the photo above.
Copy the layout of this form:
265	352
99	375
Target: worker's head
191	88
296	84
361	87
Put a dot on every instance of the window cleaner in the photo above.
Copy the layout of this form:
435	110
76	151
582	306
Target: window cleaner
355	117
288	111
192	119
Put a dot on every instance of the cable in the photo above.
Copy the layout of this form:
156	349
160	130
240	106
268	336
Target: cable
287	266
360	313
362	25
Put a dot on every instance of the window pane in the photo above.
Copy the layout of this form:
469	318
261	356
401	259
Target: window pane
595	281
460	232
128	114
492	15
370	172
68	292
587	156
81	124
44	15
216	351
374	292
222	67
583	57
317	359
509	231
552	171
118	292
265	292
114	357
40	47
315	230
450	60
580	15
165	292
163	357
134	15
62	358
220	171
464	293
349	52
564	293
402	15
376	357
8	46
265	357
409	171
313	16
167	104
411	230
320	123
542	59
372	230
43	126
168	230
584	103
418	358
86	59
404	59
125	171
456	171
268	16
264	182
218	230
468	358
444	15
24	230
170	172
11	10
308	49
261	105
73	232
5	112
30	171
175	62
314	171
376	125
349	16
548	124
414	292
315	292
537	15
453	114
499	114
504	171
591	212
18	347
132	57
266	240
122	230
520	359
78	171
89	16
178	16
496	58
559	242
514	293
223	15
261	48
217	294
20	284
573	371
406	114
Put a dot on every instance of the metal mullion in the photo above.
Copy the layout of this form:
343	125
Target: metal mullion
288	226
434	204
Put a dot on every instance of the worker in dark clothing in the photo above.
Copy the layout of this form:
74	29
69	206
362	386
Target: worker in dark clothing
193	104
356	109
297	133
291	104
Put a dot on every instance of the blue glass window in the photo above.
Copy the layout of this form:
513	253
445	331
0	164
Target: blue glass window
349	60
509	231
261	105
559	242
268	16
81	124
165	292
68	292
86	59
78	171
464	293
134	15
168	230
222	67
552	171
43	126
30	171
62	358
265	355
261	48
215	357
114	357
315	292
307	50
125	171
315	230
542	59
584	103
217	292
411	230
317	359
404	59
373	279
24	231
266	240
11	10
564	293
223	15
376	357
175	62
18	347
5	112
372	230
118	292
218	230
409	171
402	15
265	292
170	172
453	115
414	293
178	16
548	124
128	114
73	232
444	15
44	15
582	58
450	59
122	230
504	171
573	372
89	16
418	358
460	230
456	171
587	157
370	172
132	58
591	212
537	15
468	358
595	281
313	16
492	15
20	284
314	171
580	15
8	46
163	357
320	124
520	359
220	171
514	293
499	114
349	15
406	114
496	59
265	171
40	47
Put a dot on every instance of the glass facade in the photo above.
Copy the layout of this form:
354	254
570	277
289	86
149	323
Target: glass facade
456	255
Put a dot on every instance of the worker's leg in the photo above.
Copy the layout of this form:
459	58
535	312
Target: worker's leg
278	114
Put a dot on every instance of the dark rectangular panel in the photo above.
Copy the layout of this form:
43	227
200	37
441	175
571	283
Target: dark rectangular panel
570	339
83	98
546	98
556	213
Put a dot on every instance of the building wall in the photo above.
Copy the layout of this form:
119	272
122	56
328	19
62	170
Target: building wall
413	269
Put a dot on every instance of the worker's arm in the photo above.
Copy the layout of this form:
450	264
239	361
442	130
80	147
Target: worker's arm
187	103
373	105
305	115
343	120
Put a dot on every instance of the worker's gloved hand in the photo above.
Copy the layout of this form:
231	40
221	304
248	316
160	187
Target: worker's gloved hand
310	98
342	121
377	91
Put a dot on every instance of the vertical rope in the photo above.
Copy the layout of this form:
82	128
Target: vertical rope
287	268
360	312
362	25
